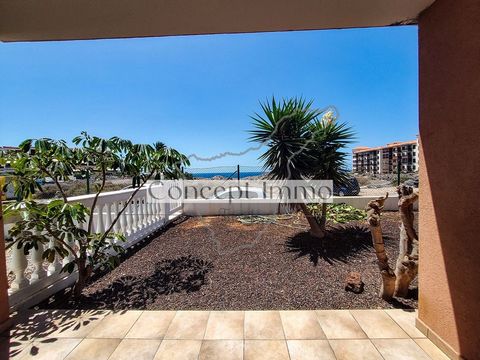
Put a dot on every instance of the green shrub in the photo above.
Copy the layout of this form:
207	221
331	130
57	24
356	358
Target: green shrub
339	213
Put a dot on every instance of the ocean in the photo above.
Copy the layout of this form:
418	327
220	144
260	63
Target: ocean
243	174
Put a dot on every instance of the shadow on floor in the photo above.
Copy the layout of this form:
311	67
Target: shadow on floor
43	327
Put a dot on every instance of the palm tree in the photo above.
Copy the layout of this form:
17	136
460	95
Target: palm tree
302	143
159	146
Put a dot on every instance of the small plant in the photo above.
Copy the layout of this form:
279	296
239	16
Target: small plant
339	213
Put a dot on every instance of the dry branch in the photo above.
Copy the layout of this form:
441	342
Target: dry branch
407	263
374	209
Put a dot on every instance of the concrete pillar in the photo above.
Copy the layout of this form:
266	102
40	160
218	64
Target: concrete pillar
449	80
4	307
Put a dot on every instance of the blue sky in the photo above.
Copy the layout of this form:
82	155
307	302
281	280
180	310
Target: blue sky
196	93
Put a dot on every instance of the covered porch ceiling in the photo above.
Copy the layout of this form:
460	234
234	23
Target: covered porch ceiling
39	20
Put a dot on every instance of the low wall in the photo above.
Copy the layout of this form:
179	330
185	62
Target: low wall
257	207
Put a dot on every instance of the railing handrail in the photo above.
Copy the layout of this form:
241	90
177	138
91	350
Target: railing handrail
81	198
116	194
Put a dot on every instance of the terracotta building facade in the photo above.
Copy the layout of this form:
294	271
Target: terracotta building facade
386	159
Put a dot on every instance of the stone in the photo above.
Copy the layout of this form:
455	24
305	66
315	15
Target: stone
354	283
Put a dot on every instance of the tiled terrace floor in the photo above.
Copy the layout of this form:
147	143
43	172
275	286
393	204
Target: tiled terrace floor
170	335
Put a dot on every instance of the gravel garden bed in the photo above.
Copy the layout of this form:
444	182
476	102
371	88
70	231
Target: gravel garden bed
220	263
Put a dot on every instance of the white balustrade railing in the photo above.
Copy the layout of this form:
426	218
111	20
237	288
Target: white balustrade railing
145	213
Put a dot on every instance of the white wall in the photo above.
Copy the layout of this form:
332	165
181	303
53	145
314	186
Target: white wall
257	207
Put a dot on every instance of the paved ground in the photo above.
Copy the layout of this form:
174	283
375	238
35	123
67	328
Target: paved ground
170	335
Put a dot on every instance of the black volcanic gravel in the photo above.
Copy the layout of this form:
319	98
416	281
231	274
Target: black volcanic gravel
218	263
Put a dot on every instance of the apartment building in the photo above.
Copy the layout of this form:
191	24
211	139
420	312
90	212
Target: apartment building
386	159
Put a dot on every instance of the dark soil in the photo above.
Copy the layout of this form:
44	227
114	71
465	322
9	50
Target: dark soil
218	263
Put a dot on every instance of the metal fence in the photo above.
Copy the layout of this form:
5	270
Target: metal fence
359	184
227	172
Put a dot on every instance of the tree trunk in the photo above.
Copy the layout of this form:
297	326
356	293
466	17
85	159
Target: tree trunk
315	228
374	209
323	219
84	273
407	263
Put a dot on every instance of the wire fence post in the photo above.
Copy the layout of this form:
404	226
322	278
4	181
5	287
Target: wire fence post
238	172
87	177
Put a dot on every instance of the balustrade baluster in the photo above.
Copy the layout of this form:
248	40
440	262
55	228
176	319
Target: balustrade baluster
139	214
100	222
130	218
54	267
38	272
123	219
151	218
67	259
143	202
136	215
166	207
108	215
161	217
18	264
117	227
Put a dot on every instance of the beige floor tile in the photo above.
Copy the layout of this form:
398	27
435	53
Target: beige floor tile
221	350
310	350
302	325
378	325
400	349
225	325
406	320
178	350
49	349
151	325
137	349
115	325
188	325
98	349
263	325
431	349
340	324
266	350
355	350
78	324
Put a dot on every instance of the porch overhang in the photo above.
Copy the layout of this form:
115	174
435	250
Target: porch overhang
38	20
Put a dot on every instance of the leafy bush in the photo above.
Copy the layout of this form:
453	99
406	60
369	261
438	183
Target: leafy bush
339	213
67	225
